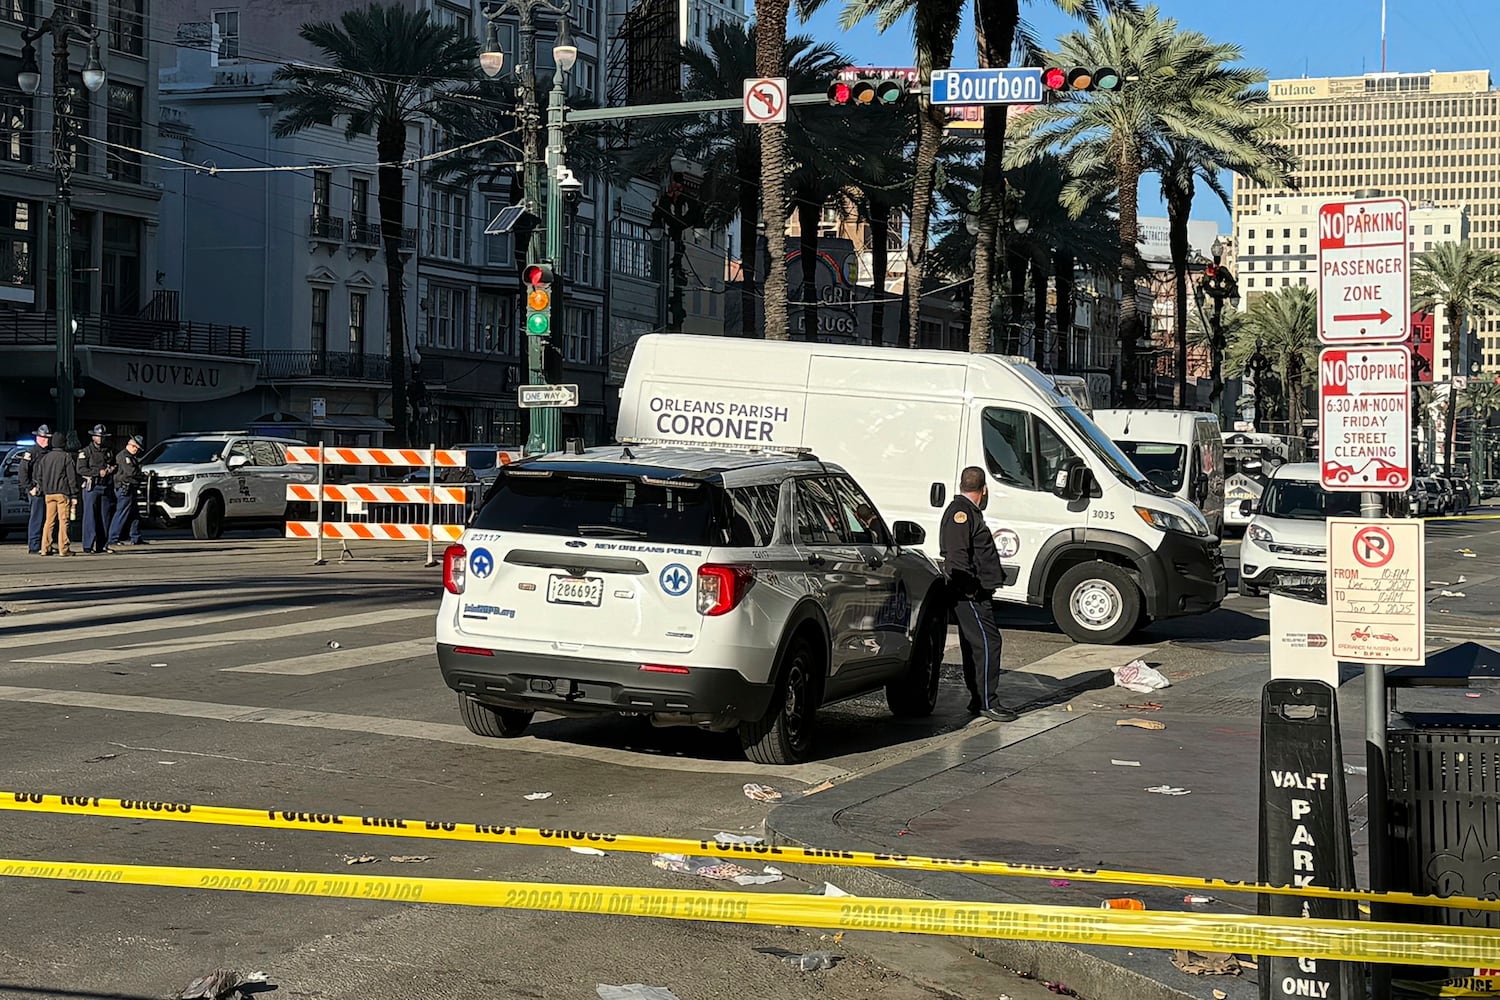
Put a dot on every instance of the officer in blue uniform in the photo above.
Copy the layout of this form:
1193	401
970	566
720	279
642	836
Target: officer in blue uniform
32	491
972	567
128	477
96	467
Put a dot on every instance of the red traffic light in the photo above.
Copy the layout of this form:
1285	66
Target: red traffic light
838	93
1054	78
537	274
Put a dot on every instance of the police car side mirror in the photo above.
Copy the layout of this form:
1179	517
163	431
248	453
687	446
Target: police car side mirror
908	533
236	461
937	495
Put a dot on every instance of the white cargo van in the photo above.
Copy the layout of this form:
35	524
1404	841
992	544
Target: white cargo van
1078	527
1179	450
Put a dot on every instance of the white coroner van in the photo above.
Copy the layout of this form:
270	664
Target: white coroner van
1182	451
1079	529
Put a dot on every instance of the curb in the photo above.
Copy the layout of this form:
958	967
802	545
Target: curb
1097	972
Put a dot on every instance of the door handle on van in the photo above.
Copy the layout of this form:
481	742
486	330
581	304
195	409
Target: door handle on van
815	560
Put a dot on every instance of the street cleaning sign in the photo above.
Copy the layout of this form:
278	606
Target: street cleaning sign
1364	419
1364	280
1376	580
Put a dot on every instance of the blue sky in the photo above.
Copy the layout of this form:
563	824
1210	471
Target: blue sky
1286	38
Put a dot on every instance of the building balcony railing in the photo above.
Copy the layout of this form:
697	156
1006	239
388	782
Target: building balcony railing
364	233
277	366
408	239
327	228
132	332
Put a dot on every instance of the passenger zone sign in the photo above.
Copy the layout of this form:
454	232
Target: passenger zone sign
1364	426
1364	280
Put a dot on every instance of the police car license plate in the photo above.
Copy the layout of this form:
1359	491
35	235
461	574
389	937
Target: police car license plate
585	590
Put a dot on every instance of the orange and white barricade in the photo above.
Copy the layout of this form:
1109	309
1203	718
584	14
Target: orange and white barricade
354	497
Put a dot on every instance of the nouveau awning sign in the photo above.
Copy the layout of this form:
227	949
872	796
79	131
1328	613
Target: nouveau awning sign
167	376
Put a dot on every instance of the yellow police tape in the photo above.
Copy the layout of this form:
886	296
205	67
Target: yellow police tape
489	833
1352	941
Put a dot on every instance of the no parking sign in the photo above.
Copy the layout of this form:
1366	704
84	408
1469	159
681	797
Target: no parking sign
1376	582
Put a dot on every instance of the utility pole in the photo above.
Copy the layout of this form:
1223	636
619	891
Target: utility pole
64	27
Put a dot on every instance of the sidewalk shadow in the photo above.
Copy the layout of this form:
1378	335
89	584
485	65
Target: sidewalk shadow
1219	625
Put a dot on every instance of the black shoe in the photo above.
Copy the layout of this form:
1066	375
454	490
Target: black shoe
998	715
973	708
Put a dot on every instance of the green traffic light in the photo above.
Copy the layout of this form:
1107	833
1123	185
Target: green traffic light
538	324
888	91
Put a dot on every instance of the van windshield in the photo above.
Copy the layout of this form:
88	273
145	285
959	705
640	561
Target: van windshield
560	503
1165	464
1304	500
1107	451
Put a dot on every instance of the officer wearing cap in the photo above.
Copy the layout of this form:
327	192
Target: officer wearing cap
971	564
128	476
96	467
32	491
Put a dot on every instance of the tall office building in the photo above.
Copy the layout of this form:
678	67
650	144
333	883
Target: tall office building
1432	138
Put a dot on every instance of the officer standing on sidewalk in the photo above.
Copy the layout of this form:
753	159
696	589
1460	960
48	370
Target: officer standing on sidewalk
32	491
972	567
128	477
96	466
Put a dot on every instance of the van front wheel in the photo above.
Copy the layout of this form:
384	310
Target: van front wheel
1096	602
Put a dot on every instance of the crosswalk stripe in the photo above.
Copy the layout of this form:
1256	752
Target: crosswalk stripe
25	623
188	644
343	659
108	630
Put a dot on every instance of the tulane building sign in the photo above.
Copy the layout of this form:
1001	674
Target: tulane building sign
168	377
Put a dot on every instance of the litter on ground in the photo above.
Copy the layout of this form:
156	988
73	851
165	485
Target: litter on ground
761	793
1452	593
829	889
1126	763
537	796
1168	790
634	991
221	984
592	851
410	859
362	859
1151	724
736	838
766	877
1139	677
1205	963
812	961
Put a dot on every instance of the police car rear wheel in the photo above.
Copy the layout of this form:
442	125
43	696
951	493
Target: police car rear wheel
914	693
486	720
1096	602
784	734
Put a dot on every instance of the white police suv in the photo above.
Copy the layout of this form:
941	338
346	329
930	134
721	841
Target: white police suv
218	480
725	590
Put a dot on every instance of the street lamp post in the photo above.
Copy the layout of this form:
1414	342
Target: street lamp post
545	424
1219	284
64	26
1260	366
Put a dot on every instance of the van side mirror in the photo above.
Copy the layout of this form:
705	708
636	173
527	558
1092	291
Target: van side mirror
938	495
1073	480
1247	507
908	533
237	461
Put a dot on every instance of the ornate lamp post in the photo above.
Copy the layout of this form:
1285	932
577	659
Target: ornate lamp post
64	26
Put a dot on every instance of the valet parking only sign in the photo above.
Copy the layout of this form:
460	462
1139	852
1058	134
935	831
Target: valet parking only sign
1364	425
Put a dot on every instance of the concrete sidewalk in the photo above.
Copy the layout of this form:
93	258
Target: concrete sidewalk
1046	790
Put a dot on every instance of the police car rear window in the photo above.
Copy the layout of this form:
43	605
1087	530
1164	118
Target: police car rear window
579	506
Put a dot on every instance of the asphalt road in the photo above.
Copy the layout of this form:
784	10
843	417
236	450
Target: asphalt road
204	672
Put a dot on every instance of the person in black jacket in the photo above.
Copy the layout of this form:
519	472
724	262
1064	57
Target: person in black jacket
32	492
56	476
96	467
128	477
972	567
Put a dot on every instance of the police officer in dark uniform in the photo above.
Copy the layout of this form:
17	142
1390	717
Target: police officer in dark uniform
128	476
32	491
972	567
96	467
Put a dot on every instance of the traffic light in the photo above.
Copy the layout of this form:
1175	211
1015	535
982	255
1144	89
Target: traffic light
868	91
537	279
1079	78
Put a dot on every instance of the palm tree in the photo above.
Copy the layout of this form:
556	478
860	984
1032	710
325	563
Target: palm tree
1463	280
1284	326
771	60
1177	83
393	68
1482	398
879	188
1182	162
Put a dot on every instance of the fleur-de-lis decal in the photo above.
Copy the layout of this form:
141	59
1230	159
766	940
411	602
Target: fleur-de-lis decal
1473	871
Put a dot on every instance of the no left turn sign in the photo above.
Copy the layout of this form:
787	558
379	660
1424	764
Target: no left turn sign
765	100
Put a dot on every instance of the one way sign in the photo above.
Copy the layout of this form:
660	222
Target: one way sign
1364	279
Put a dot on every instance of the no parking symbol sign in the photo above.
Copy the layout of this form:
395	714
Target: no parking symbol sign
1376	582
